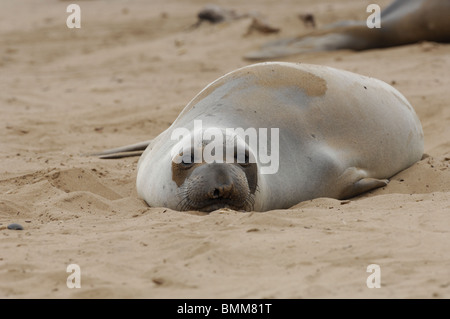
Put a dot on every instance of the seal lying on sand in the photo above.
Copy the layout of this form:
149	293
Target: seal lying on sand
403	22
333	134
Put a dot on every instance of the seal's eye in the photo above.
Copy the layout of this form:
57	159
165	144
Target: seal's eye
187	160
242	160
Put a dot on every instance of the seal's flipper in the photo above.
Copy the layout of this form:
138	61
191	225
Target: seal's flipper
121	155
365	185
124	151
355	182
313	42
276	49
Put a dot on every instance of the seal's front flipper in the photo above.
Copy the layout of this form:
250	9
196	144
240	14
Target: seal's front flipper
365	185
123	151
355	182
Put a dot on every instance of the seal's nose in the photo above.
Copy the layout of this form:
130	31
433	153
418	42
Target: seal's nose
217	181
221	192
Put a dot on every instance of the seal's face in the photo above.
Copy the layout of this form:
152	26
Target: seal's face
207	185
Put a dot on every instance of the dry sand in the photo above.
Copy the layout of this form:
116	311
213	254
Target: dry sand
122	78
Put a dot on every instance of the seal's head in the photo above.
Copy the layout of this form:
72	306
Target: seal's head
214	173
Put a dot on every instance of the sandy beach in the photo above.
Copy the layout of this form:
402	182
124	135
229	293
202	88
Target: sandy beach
123	77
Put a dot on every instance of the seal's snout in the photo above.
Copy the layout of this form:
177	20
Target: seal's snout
220	183
219	192
212	186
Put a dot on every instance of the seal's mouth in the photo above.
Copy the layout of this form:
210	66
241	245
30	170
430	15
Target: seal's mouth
219	204
214	186
212	204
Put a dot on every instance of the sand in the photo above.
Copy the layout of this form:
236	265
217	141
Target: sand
123	78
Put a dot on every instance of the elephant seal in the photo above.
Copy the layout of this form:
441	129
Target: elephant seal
333	133
402	22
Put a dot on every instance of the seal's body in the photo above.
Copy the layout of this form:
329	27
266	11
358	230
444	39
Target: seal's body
340	134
